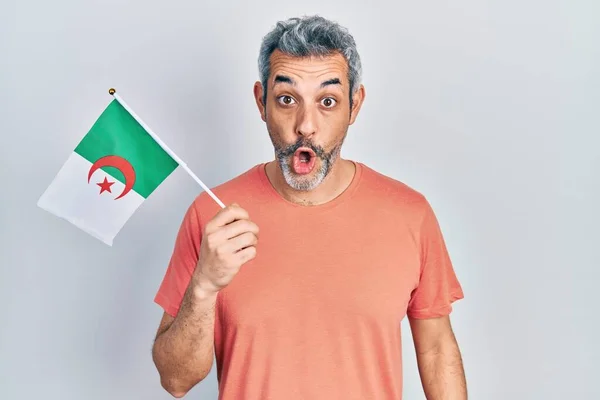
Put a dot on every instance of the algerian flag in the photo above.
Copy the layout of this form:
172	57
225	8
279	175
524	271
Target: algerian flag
114	168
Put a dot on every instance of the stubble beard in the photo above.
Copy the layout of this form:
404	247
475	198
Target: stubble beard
284	154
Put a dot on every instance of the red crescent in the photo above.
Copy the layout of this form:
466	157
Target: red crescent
122	165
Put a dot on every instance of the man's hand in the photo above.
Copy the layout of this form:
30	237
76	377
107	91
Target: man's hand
229	241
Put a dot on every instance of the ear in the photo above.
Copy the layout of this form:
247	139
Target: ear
258	97
357	100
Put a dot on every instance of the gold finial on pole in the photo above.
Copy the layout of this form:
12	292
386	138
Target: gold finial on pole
111	91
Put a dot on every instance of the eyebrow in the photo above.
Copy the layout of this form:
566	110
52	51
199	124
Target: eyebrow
287	79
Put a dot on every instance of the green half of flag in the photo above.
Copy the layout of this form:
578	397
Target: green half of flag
121	147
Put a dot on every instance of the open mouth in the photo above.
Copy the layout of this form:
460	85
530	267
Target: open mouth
304	156
304	160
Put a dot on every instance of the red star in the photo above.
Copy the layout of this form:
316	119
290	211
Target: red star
105	186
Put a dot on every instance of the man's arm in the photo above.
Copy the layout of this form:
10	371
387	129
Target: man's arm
183	348
439	359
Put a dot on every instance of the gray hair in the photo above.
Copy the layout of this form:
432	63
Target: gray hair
310	36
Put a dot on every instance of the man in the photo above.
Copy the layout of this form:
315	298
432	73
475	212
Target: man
313	309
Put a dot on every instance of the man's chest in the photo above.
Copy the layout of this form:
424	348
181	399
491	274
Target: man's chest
347	274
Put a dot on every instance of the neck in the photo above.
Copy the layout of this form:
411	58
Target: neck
333	185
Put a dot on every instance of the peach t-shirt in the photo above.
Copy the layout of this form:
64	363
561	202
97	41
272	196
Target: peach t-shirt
316	315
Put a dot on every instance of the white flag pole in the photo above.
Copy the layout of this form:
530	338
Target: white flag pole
183	165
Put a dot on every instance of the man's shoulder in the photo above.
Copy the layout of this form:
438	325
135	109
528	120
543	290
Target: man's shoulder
381	185
390	197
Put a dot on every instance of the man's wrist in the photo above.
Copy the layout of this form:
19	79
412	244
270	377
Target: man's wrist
203	288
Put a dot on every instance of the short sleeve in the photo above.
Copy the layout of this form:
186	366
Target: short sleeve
182	263
438	285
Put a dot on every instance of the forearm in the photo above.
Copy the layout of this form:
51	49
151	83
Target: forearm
442	372
183	354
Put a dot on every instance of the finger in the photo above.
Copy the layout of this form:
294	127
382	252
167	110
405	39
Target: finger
242	241
226	216
246	254
234	229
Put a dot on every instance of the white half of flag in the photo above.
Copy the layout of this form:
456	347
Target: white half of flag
90	206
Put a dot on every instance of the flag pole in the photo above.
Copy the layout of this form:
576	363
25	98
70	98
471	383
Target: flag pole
183	165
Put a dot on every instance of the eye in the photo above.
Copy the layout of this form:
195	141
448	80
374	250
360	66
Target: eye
286	100
329	102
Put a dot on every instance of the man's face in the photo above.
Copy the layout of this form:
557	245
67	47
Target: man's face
307	115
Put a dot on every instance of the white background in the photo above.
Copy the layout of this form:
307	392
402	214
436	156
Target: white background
490	108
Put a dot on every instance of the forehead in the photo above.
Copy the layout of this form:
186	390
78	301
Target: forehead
309	68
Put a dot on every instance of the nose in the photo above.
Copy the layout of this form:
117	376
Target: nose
307	121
